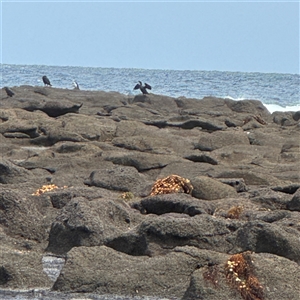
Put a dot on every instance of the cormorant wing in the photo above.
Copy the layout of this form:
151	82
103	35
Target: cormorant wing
137	86
147	86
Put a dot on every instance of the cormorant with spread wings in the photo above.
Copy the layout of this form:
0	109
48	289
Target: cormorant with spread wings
142	87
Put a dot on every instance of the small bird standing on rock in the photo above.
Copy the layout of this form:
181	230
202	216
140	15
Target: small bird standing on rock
8	91
46	81
76	85
143	87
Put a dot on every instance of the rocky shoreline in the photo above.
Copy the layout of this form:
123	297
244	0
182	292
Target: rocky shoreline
149	195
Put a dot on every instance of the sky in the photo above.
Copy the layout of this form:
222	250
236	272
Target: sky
255	36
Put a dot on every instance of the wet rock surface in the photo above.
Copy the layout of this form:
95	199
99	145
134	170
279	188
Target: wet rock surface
76	175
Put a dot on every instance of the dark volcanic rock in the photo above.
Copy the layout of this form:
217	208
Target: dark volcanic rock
209	281
289	189
186	122
21	214
53	109
259	237
195	157
119	178
285	118
76	172
162	104
213	141
202	231
178	203
248	106
97	269
22	270
294	204
10	173
141	161
89	223
210	189
237	183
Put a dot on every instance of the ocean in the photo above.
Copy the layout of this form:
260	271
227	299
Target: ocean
278	92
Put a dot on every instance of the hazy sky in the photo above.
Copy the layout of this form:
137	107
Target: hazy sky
259	36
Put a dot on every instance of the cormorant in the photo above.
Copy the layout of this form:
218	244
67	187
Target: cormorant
8	91
46	81
142	87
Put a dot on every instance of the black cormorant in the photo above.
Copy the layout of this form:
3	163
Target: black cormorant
46	81
8	91
142	87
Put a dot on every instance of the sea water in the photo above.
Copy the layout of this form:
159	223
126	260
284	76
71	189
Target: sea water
278	92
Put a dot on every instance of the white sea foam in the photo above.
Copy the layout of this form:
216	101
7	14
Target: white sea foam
273	107
235	99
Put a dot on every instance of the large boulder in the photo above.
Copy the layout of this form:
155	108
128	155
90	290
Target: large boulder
210	189
163	104
10	173
89	223
260	237
147	138
254	107
120	178
22	270
286	118
202	231
18	123
219	139
104	270
22	214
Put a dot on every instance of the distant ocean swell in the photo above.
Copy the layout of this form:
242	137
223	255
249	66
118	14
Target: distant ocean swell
276	91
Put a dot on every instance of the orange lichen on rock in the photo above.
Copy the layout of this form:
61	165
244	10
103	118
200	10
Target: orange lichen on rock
234	212
127	196
172	184
239	273
46	188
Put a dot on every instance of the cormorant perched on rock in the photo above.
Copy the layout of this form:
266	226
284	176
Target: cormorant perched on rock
8	91
142	87
76	85
46	81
